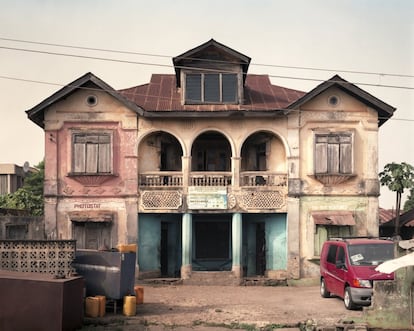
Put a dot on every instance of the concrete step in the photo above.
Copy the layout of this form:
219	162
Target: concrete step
219	278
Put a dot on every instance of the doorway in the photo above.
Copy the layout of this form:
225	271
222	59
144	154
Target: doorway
212	243
164	249
260	249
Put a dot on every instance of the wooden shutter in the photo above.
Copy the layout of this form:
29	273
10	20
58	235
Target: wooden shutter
79	154
321	155
92	157
320	237
333	156
346	155
104	154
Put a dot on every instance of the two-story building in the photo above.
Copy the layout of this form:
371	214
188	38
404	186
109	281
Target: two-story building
211	168
11	177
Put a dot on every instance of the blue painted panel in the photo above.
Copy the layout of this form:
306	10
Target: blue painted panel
276	245
149	241
276	257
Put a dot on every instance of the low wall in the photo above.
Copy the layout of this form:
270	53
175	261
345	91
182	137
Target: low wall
391	307
38	256
22	227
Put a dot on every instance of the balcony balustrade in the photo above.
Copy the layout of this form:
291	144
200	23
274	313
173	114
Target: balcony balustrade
263	178
210	179
161	178
247	179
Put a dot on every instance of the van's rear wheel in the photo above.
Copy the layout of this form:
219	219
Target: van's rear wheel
324	291
349	304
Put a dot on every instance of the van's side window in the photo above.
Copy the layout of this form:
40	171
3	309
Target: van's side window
331	258
341	255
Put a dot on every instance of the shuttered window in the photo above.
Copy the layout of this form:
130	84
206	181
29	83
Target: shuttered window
324	232
210	88
92	235
92	153
333	153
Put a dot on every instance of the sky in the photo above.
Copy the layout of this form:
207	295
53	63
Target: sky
47	44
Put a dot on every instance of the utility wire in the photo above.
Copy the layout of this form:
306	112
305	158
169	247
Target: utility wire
167	56
159	97
184	67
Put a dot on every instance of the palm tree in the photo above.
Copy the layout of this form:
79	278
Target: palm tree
397	177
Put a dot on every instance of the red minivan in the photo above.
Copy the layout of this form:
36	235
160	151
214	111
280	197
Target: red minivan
347	268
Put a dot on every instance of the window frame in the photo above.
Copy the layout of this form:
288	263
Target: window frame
334	157
203	90
324	232
99	164
102	231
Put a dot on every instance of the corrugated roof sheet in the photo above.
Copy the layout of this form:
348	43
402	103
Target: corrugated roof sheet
161	94
386	215
333	217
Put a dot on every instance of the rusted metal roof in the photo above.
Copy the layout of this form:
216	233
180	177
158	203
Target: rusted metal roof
91	216
333	217
162	95
386	215
406	219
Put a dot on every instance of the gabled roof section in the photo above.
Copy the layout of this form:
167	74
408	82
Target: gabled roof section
87	81
406	219
161	96
213	52
385	111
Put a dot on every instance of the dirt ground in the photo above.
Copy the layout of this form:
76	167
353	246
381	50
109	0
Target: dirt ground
183	307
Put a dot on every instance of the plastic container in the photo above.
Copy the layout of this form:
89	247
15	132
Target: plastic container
139	294
130	305
102	305
92	307
127	248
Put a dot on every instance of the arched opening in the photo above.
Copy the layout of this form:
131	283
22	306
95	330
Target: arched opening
160	164
211	152
210	160
263	160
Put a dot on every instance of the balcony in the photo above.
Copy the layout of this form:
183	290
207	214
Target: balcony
161	179
174	179
210	179
263	178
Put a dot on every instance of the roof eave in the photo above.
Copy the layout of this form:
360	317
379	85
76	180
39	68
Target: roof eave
244	60
215	114
385	111
36	114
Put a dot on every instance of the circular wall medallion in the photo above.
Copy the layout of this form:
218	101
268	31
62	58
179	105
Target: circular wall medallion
333	100
91	100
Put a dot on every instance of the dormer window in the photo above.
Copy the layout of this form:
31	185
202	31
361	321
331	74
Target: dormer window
211	88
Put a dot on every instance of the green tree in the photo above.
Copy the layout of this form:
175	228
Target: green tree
30	196
409	203
397	177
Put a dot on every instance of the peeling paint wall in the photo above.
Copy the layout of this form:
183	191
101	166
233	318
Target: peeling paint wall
392	303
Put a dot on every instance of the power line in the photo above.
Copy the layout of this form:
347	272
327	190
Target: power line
340	82
84	48
184	67
167	56
84	56
159	97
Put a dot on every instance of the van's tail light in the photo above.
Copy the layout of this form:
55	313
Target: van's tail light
361	283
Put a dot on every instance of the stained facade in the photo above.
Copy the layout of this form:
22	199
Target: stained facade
211	168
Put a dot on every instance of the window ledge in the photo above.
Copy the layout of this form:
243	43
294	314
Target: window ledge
332	179
87	179
315	259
